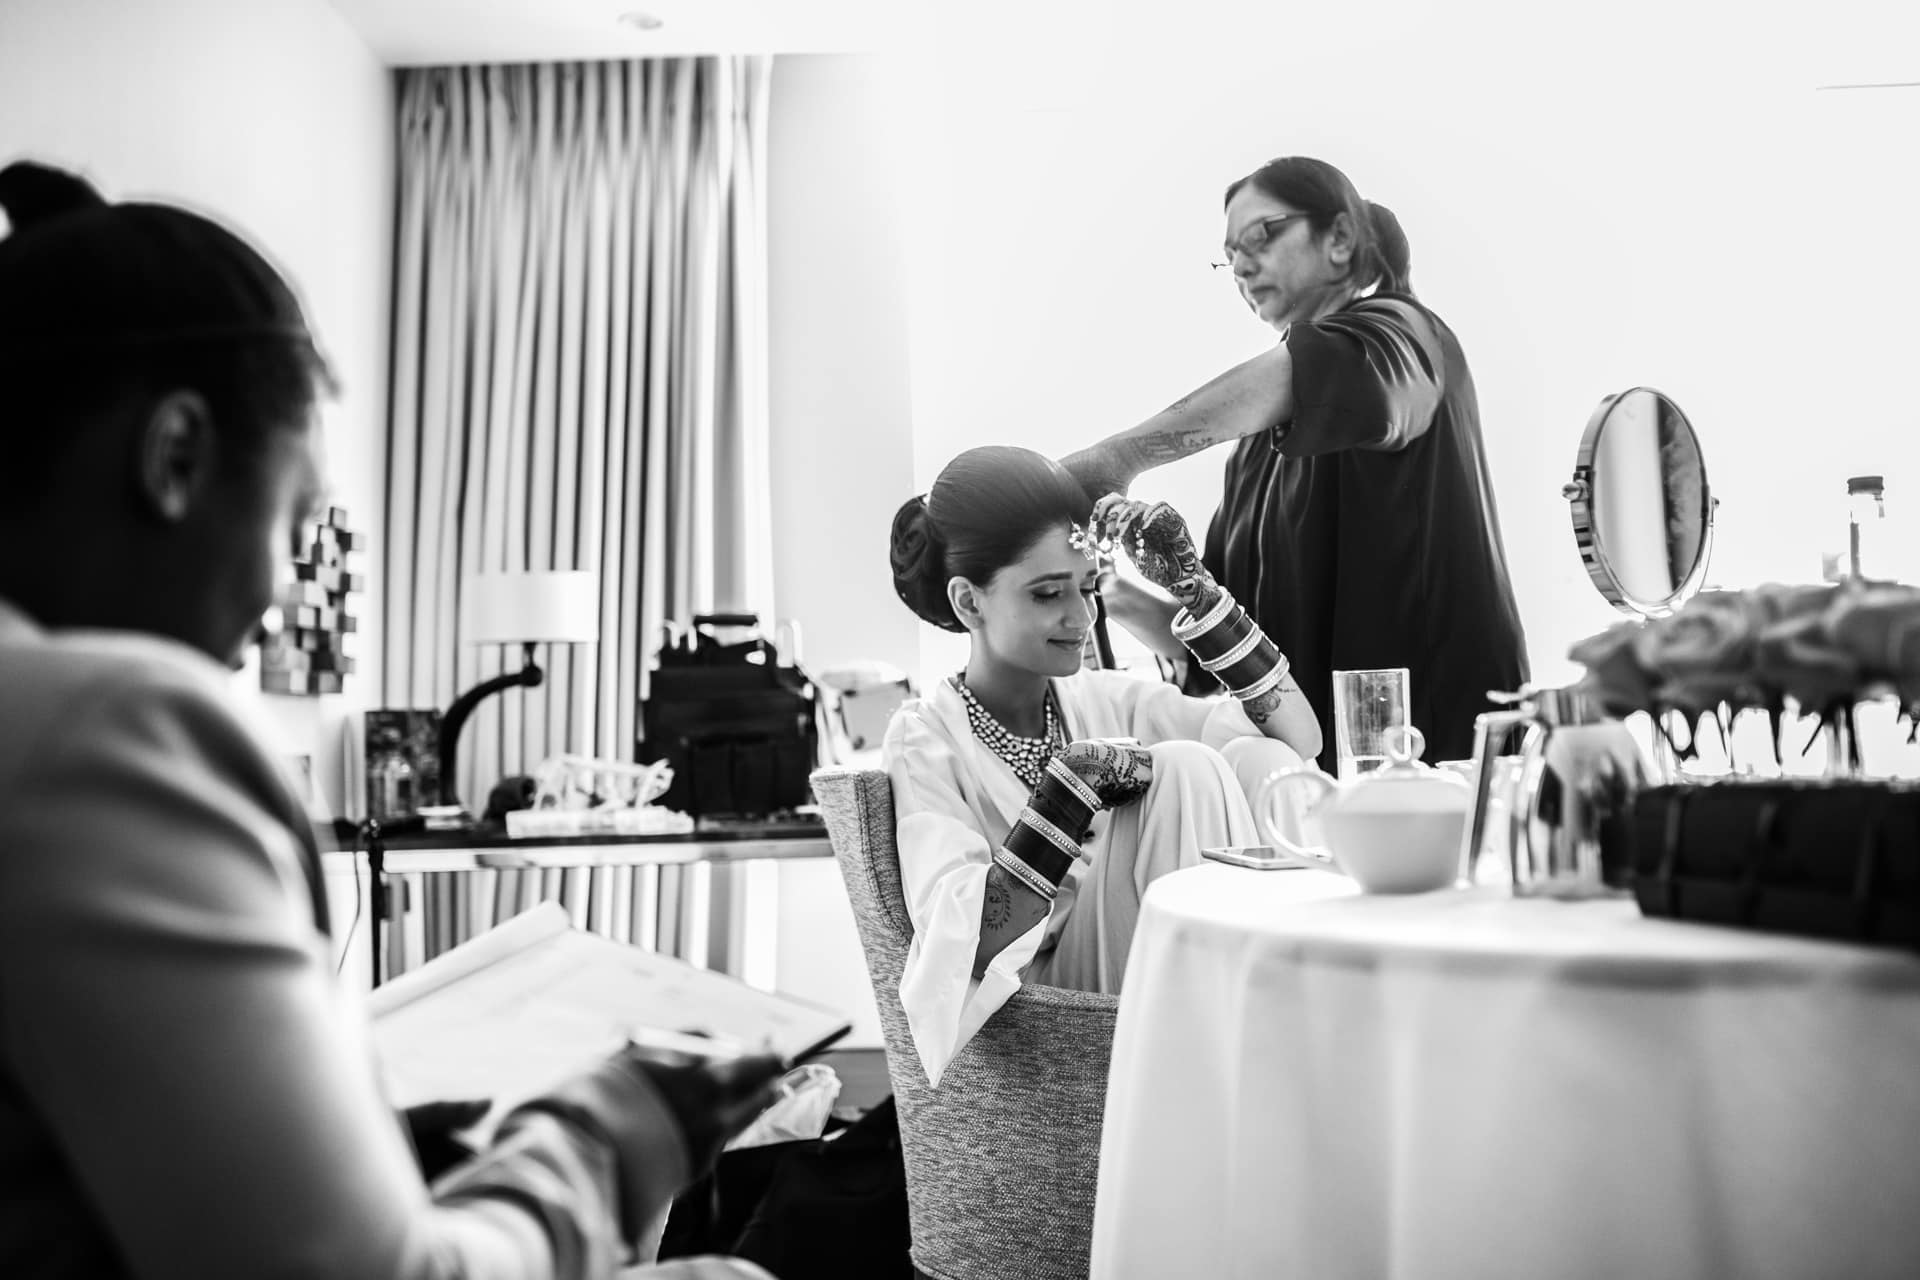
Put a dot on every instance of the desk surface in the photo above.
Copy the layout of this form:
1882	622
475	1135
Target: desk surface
491	848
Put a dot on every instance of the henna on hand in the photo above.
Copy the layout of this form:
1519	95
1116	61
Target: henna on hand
1161	547
1118	772
1198	594
1156	539
1108	514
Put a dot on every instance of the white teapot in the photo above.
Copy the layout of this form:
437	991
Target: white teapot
1395	830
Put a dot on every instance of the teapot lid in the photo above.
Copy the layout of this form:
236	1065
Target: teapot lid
1405	784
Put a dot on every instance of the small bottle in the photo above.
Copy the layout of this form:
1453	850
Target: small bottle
1867	551
392	782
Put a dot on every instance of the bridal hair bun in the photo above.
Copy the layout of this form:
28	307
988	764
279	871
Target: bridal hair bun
919	559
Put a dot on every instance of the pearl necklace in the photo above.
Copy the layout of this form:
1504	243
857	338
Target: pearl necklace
1027	757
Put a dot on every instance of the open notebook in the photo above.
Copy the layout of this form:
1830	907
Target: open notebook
523	1006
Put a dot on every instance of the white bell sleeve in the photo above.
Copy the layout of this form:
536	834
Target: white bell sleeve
1114	704
944	856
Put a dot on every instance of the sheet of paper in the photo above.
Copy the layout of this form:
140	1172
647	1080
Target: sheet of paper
542	921
533	1001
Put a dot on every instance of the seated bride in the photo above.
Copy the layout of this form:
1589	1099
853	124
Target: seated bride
1036	800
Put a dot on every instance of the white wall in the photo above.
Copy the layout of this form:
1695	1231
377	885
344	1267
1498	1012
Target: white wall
273	116
1646	193
841	414
842	432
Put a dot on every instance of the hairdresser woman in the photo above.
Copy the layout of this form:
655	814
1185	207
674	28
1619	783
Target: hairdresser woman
1357	521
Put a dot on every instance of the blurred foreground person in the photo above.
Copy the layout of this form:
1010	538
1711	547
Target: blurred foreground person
185	1091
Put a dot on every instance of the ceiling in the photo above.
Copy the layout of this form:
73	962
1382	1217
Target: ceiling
1849	42
433	32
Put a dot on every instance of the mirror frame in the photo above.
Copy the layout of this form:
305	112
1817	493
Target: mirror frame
1593	553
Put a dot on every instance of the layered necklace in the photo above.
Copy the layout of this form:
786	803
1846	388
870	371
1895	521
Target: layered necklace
1027	757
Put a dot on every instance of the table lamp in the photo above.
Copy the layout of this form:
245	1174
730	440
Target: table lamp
516	608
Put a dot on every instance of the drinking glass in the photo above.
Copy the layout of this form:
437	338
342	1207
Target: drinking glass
1365	705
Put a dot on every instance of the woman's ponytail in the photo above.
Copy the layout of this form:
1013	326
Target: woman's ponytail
1392	254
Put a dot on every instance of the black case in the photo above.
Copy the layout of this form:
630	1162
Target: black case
1830	859
738	729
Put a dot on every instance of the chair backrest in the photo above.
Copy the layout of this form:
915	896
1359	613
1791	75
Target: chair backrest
857	702
976	1183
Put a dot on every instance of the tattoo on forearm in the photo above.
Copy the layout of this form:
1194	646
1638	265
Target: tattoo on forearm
1097	471
1152	449
1111	465
1260	709
998	912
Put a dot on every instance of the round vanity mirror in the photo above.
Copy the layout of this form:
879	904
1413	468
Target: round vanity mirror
1642	512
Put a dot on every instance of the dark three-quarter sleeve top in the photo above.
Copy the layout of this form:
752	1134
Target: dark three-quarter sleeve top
1363	533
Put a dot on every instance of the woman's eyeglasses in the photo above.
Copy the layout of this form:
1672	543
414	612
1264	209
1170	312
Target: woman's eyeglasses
1255	238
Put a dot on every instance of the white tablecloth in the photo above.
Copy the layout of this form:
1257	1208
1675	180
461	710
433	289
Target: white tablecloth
1311	1083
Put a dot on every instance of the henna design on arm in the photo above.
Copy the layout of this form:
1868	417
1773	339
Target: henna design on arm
1198	594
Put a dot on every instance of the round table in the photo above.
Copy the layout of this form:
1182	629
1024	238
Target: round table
1312	1082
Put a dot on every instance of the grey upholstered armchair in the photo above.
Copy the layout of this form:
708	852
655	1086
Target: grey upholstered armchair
1001	1158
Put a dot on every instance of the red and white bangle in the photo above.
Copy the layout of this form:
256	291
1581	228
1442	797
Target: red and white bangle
1187	628
1233	648
1248	643
1055	836
1075	784
1266	683
1025	874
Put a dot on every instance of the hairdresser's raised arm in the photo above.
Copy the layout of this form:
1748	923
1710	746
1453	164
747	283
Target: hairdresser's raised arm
1251	396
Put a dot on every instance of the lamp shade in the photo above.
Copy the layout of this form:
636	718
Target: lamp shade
531	608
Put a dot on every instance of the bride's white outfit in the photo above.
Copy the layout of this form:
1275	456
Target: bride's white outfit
955	800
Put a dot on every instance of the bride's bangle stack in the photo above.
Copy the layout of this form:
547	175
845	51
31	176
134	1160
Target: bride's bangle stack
1045	839
1232	646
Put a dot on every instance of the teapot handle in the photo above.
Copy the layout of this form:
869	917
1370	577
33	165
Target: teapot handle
1526	803
1266	809
1490	732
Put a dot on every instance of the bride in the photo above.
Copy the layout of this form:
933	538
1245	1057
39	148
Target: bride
1037	800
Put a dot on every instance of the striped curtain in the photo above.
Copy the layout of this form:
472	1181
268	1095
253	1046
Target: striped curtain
579	382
